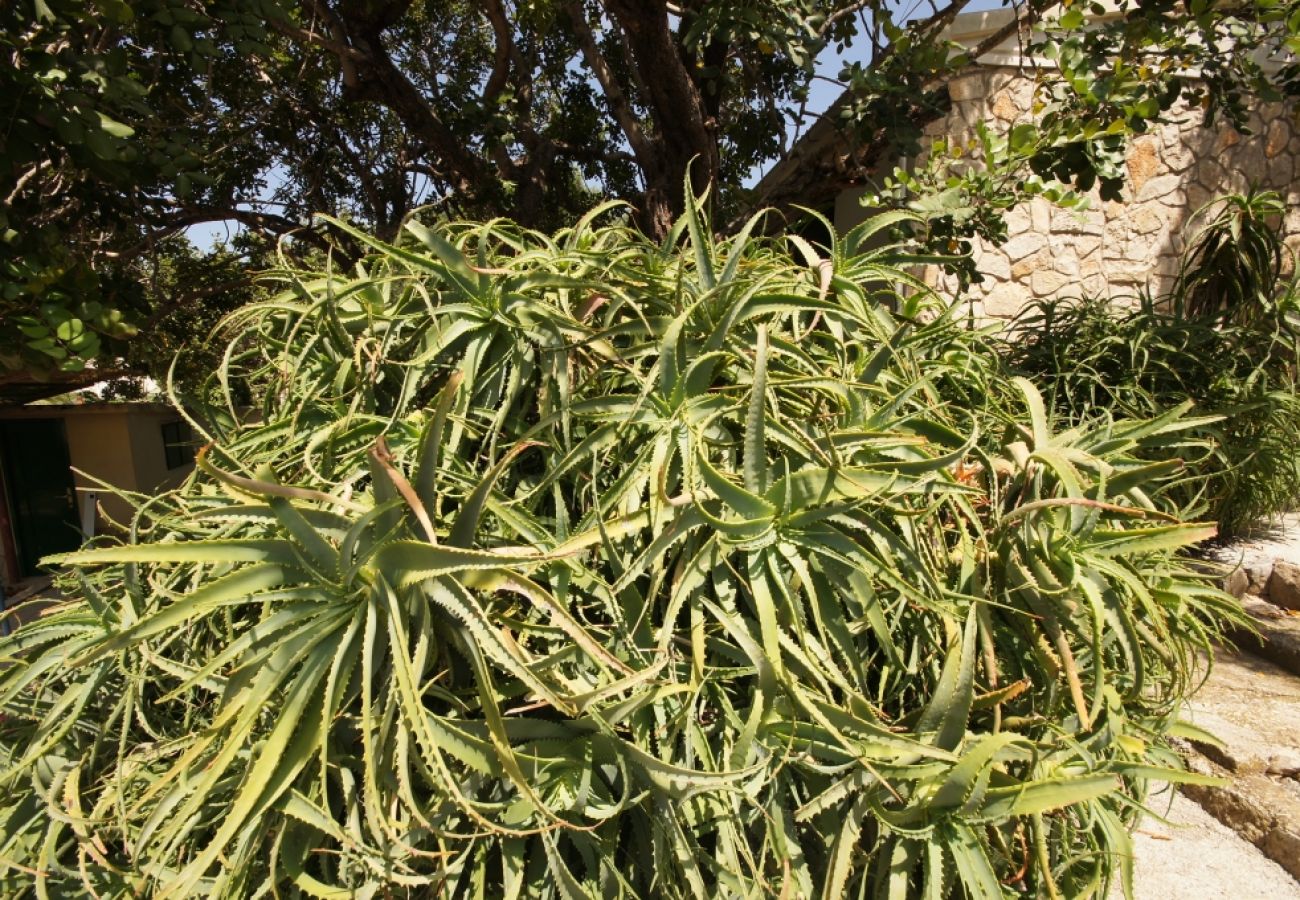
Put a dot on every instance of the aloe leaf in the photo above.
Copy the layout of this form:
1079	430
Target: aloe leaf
949	708
755	465
1044	795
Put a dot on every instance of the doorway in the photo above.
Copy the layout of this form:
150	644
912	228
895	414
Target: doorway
42	499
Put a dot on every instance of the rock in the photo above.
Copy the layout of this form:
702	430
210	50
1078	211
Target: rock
1160	186
1067	221
1143	162
1184	852
1276	140
1284	764
1022	269
1258	571
1252	707
1041	213
1067	263
1260	811
994	265
1147	221
1046	282
968	88
1276	637
1284	585
1023	245
1237	583
1227	138
1017	219
1005	300
1177	156
1244	814
1004	107
1282	845
1281	171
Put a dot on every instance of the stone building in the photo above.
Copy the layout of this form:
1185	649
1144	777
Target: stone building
1113	248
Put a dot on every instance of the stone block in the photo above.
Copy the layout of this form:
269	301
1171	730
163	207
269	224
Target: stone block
1017	220
1284	585
1275	141
1022	269
1004	107
1126	273
1066	261
1005	300
1145	220
1160	186
1048	282
1143	161
1142	248
994	265
964	89
1228	137
1023	245
1040	213
1178	157
1281	171
1087	221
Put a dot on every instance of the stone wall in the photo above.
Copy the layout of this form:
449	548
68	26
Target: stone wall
1116	247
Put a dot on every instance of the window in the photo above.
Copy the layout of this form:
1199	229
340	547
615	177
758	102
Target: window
178	444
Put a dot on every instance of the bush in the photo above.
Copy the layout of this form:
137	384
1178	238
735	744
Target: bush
581	566
1226	338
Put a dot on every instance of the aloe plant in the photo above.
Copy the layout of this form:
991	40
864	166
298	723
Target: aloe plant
584	566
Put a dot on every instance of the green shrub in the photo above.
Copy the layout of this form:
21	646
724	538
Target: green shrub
579	566
1094	358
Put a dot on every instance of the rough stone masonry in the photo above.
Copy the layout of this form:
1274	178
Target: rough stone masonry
1114	248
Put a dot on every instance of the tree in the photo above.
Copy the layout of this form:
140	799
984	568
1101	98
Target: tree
129	123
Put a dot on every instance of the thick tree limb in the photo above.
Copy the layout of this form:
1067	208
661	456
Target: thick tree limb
620	106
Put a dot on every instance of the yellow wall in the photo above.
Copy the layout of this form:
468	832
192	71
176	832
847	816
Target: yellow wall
148	452
99	446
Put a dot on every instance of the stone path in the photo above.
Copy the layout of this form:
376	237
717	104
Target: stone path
1253	708
1251	703
1195	857
1235	842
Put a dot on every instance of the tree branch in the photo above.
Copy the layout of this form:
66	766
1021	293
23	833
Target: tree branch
619	105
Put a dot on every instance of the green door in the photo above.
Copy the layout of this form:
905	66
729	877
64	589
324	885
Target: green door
42	499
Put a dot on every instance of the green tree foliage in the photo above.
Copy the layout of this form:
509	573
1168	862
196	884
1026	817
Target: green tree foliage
105	134
129	122
580	565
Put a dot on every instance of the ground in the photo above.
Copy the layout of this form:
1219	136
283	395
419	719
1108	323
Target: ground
1193	856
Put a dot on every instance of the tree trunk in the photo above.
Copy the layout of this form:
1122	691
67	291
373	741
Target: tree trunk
684	135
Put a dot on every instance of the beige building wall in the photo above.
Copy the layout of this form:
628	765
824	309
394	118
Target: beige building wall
99	447
148	453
